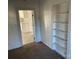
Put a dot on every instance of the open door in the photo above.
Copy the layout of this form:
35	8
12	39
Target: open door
27	26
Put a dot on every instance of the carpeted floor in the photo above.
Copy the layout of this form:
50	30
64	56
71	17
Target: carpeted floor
33	51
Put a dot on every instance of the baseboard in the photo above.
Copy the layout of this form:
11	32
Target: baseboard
47	45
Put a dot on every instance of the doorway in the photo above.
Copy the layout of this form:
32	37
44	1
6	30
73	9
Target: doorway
27	26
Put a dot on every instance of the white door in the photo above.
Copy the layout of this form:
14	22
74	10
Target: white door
26	24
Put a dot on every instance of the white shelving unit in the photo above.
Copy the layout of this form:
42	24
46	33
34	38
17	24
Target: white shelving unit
60	28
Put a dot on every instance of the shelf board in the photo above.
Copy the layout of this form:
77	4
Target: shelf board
60	30
59	38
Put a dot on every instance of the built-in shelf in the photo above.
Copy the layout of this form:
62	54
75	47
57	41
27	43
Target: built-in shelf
60	27
61	50
61	46
60	38
61	22
60	30
62	12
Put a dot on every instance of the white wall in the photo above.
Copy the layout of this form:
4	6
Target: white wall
45	12
14	40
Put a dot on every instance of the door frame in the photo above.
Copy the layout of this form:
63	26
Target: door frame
33	22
